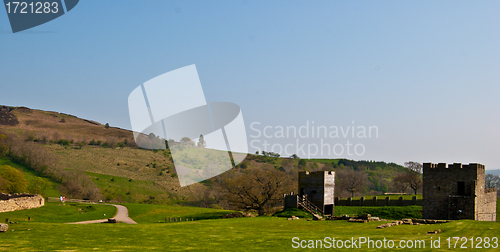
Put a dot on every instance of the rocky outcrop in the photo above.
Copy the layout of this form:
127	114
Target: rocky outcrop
14	202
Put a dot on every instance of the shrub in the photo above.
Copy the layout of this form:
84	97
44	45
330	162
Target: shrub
215	206
302	162
15	180
63	142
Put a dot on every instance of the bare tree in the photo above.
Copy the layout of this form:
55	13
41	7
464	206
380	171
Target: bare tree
351	180
399	183
412	176
492	181
258	189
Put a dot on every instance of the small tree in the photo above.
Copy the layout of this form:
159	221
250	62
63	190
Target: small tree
106	125
201	141
80	145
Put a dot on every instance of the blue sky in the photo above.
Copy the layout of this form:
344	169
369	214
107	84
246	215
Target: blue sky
425	73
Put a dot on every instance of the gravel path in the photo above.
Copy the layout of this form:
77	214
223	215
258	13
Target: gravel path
121	216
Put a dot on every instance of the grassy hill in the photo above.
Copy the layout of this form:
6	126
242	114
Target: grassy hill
107	158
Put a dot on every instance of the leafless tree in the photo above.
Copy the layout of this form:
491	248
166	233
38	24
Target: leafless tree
399	183
492	181
412	176
351	181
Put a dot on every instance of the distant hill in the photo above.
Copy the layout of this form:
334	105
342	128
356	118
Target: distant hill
493	172
39	124
123	172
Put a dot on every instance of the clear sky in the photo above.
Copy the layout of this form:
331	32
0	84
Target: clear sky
425	73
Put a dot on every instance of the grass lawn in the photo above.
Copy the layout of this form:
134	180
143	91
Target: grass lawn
289	212
240	234
388	213
55	212
144	213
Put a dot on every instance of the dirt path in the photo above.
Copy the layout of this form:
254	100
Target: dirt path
121	216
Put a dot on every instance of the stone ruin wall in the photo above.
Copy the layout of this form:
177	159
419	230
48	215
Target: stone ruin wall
487	205
14	202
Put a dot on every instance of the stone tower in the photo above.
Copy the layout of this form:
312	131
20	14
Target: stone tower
319	188
457	192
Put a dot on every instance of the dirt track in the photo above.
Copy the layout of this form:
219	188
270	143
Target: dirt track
121	216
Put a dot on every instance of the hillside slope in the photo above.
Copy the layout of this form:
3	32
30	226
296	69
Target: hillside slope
123	172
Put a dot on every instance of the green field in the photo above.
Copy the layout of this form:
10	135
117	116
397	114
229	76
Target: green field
143	213
47	231
55	212
388	213
241	234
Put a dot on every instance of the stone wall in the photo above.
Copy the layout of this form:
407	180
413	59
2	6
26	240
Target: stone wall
13	202
457	191
487	205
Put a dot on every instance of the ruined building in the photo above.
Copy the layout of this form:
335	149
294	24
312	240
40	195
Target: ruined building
316	188
457	192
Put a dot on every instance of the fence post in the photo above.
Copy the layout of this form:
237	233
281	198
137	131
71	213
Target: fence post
387	201
414	200
361	201
401	201
349	201
374	201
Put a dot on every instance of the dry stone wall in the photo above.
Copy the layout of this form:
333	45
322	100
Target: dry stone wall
14	202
